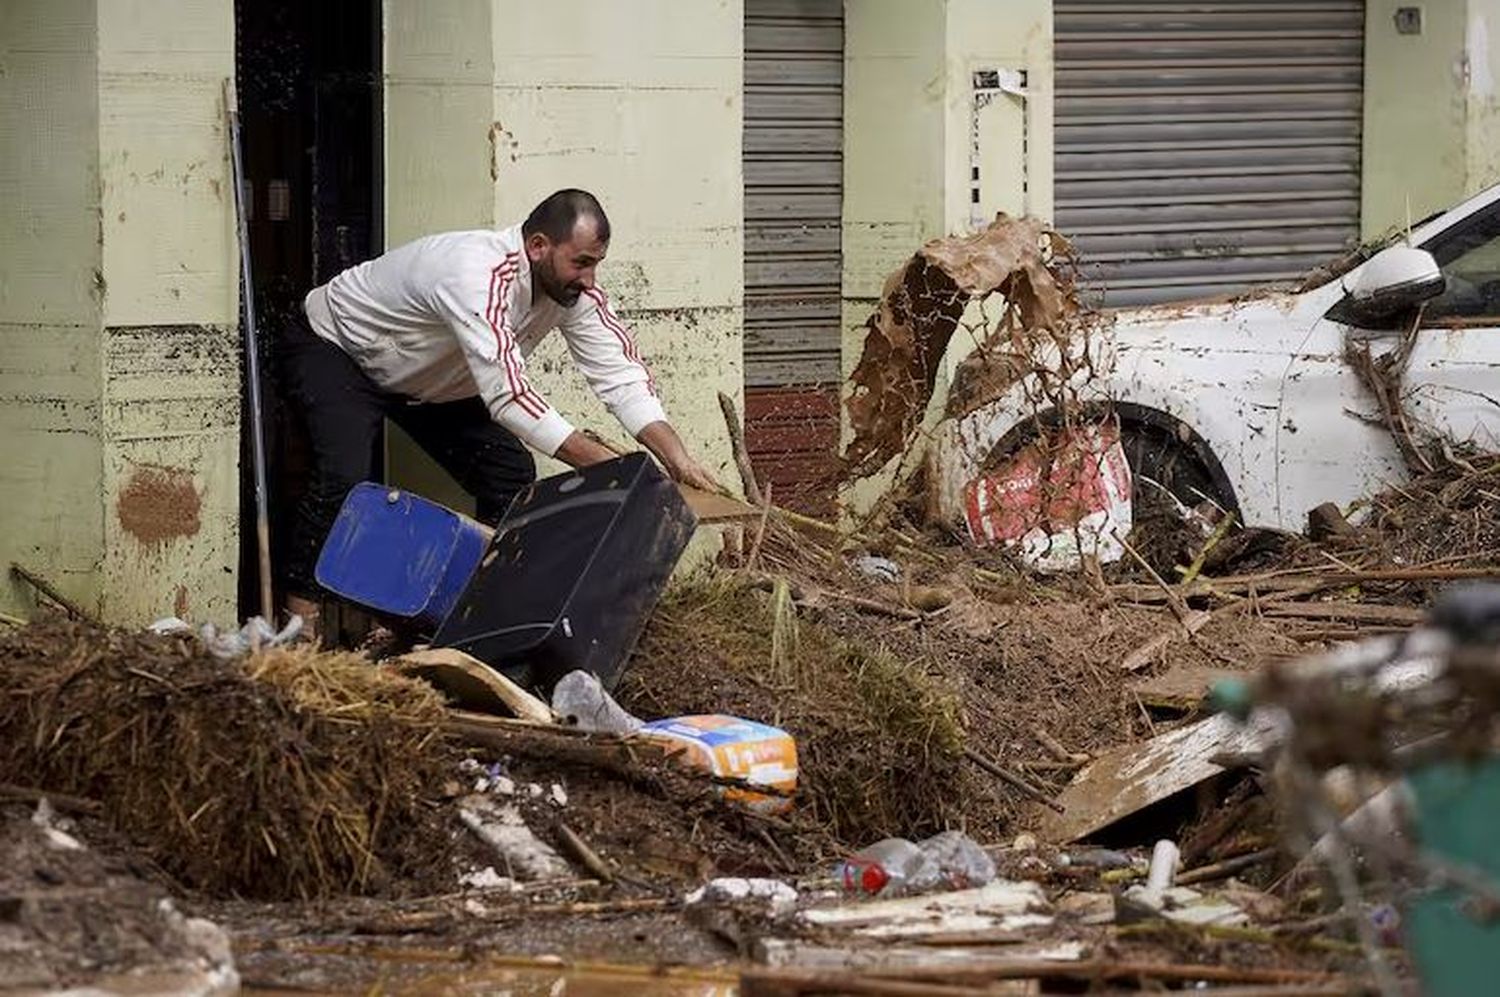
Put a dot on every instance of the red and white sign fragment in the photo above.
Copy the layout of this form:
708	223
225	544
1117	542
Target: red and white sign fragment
1055	508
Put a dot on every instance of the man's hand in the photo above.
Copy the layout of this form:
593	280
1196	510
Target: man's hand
662	440
692	473
579	450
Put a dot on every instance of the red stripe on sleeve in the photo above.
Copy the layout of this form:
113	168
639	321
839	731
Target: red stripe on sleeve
500	280
627	342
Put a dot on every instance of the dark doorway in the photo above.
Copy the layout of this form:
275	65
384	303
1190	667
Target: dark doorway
309	81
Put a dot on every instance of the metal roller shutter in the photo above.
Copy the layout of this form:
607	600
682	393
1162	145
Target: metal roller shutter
793	162
1203	148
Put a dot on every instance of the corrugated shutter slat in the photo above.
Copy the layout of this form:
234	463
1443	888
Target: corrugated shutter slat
1204	147
794	173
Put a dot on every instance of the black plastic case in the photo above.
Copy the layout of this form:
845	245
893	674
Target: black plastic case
574	571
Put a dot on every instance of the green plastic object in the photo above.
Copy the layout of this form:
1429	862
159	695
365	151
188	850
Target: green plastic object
1231	696
1454	946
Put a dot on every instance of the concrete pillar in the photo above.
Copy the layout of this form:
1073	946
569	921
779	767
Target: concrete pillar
120	362
915	129
1414	115
1481	85
171	349
439	117
1432	110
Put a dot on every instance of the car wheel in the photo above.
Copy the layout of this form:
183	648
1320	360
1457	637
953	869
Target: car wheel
1158	455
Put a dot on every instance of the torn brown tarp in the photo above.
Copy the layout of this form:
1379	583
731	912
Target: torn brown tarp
920	308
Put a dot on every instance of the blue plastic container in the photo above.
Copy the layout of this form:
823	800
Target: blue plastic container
400	554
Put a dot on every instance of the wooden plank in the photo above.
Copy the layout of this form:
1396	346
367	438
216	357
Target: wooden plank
1182	687
711	508
1358	611
999	905
1132	777
1193	620
472	684
786	952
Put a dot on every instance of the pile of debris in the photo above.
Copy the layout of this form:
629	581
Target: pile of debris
928	686
1051	728
880	740
289	774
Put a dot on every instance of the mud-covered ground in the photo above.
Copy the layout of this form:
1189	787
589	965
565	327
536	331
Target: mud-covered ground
888	686
78	905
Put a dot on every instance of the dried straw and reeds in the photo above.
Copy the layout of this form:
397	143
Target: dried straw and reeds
288	774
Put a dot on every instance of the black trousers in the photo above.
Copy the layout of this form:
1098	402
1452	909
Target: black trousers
344	410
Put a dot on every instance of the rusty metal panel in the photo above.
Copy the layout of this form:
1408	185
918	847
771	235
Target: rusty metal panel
793	435
1203	147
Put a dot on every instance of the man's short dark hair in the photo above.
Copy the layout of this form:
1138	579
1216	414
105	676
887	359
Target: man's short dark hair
559	213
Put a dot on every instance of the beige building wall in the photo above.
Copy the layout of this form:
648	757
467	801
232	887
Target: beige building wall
50	292
640	103
1481	87
1414	115
119	380
439	76
913	130
1432	110
439	66
171	347
119	367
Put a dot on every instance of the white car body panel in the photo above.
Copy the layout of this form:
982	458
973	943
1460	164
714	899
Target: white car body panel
1264	383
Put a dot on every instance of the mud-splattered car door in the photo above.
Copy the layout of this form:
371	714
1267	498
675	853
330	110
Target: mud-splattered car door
1453	376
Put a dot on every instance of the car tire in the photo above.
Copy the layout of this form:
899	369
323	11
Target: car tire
1160	455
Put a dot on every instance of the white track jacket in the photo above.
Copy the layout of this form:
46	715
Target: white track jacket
451	316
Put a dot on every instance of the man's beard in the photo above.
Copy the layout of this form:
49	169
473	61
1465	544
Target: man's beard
556	290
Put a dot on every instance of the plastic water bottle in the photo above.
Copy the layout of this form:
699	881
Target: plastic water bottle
897	867
580	700
956	861
886	868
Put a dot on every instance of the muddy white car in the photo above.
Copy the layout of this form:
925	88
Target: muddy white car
1252	402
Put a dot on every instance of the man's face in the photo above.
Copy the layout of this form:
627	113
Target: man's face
564	270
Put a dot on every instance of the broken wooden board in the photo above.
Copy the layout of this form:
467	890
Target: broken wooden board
1132	777
712	508
785	952
998	906
1357	612
1180	688
471	684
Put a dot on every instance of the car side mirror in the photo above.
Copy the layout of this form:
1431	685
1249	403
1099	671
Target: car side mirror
1393	280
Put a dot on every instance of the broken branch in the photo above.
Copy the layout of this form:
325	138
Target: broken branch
1220	531
1360	611
1228	867
1179	608
579	849
1234	585
741	452
1142	656
1011	779
760	531
1056	747
811	597
40	584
